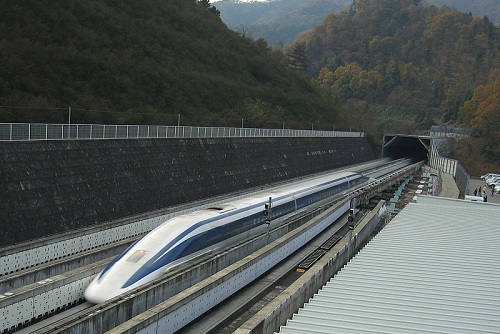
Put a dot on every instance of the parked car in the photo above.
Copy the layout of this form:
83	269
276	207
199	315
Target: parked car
497	189
492	180
483	177
489	176
494	184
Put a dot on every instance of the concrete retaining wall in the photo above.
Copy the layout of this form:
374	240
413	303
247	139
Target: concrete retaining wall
52	187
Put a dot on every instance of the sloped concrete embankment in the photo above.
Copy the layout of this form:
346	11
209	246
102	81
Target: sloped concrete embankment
49	187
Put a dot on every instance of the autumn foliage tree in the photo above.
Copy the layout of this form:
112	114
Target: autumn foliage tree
482	113
404	56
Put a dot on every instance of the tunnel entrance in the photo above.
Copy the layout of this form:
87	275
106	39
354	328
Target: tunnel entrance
406	146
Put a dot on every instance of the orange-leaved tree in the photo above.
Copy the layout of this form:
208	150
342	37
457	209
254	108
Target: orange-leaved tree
482	113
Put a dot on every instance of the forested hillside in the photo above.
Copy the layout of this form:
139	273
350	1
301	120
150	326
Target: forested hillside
144	62
406	65
278	22
489	8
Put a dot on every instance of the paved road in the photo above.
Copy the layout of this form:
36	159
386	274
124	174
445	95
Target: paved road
449	188
476	183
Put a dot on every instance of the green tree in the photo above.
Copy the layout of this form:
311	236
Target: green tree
208	6
259	113
125	61
297	55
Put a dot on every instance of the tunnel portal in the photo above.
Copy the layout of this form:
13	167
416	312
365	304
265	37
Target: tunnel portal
406	146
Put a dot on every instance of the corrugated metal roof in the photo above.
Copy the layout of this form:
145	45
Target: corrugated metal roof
433	269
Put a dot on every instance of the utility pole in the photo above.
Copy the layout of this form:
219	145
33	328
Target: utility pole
350	219
267	215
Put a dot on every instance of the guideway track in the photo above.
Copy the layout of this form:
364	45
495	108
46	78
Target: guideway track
172	314
222	200
218	282
16	280
227	315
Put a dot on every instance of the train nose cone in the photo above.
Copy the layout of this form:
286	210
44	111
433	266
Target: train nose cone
100	292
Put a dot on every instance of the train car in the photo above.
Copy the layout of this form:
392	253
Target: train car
186	237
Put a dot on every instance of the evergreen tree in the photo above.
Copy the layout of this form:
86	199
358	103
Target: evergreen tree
297	56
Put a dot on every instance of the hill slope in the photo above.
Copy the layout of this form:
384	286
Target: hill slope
281	21
418	62
489	8
278	22
135	62
401	66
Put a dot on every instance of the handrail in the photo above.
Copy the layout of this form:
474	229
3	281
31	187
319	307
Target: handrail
43	131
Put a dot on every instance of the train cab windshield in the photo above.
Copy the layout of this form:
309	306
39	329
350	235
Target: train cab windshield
138	254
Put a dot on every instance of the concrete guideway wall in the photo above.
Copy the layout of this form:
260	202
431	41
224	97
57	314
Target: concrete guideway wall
15	259
60	266
275	314
19	306
449	166
49	187
45	297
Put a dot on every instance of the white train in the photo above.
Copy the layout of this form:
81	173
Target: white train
191	235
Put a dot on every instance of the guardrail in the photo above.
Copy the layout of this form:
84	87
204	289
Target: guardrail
41	131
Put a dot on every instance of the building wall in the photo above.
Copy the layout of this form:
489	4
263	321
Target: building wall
49	187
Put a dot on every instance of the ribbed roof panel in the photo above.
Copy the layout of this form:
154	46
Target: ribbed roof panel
433	269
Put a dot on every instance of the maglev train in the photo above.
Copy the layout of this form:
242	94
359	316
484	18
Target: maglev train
194	234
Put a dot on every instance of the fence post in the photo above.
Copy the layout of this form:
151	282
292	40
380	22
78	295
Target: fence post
69	122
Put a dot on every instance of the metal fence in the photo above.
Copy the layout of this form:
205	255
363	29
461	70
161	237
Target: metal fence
38	131
450	166
450	132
